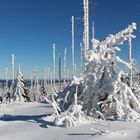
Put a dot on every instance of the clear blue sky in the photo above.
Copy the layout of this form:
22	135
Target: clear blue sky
28	28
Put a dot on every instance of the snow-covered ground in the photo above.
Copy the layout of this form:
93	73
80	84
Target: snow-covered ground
24	121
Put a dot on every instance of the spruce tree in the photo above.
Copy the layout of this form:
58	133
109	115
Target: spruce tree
21	93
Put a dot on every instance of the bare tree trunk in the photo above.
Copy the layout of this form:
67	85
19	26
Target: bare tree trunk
6	77
13	69
86	27
65	69
81	53
59	71
130	59
54	60
72	46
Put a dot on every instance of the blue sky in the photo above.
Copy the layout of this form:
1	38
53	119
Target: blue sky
28	28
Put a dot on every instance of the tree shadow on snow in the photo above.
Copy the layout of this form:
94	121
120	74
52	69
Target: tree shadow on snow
28	118
84	134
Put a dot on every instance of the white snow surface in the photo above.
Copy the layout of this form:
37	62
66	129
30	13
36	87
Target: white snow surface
24	121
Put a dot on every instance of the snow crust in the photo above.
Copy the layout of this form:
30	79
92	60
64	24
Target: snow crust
24	120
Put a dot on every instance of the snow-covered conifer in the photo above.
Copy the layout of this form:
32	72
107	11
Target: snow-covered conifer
20	94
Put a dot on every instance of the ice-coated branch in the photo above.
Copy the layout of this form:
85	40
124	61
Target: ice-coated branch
120	37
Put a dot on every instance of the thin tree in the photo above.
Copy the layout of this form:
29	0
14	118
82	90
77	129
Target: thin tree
36	84
93	34
130	58
65	69
6	77
51	80
59	71
12	89
68	75
13	68
81	57
72	46
54	61
86	26
75	69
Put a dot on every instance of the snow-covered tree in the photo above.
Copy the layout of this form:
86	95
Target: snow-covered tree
101	92
21	94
